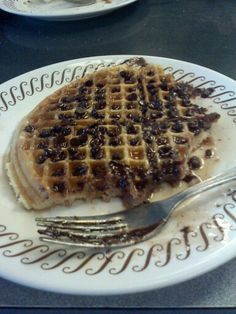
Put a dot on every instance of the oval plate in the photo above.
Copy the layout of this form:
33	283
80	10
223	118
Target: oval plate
197	238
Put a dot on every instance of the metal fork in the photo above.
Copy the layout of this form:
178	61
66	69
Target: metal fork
125	228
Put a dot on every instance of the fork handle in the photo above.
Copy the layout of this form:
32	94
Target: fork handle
227	176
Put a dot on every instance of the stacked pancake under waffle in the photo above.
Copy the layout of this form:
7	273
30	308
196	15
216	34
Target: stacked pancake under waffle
117	132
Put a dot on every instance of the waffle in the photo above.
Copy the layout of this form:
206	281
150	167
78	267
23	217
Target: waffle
117	132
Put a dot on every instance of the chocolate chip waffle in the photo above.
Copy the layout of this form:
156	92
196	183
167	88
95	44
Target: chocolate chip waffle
118	132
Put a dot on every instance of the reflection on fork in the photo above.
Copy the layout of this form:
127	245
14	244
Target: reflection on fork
125	228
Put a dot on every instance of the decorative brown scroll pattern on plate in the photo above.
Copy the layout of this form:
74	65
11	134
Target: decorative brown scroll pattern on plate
115	262
57	78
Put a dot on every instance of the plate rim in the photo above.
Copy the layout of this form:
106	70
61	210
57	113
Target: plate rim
121	56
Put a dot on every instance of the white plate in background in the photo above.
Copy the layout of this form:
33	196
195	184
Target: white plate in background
60	10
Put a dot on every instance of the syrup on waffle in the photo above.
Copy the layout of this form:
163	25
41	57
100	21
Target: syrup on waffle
120	131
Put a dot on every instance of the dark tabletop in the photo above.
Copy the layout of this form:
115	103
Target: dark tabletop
198	31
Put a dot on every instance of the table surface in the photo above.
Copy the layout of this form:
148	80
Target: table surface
198	31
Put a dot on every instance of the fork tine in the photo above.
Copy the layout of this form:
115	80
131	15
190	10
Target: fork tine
84	244
84	234
82	227
89	220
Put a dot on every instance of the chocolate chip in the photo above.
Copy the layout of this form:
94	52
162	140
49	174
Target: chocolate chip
131	129
97	152
171	170
117	156
154	129
115	89
99	85
80	170
190	112
131	89
165	152
135	141
125	75
64	107
58	172
164	85
100	141
176	169
58	155
45	133
172	113
156	105
65	131
116	107
155	115
93	129
83	101
134	117
97	115
83	104
42	144
115	116
63	116
119	169
177	127
180	140
115	141
49	152
101	104
81	140
122	183
29	128
186	101
80	186
163	126
41	159
194	127
152	89
60	141
150	73
102	130
148	137
194	163
205	122
56	129
88	83
162	141
130	105
99	171
83	90
130	80
209	153
140	185
189	177
59	187
81	113
206	92
81	131
132	97
74	154
113	131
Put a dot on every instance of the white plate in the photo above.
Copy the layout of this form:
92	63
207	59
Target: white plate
176	254
60	10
